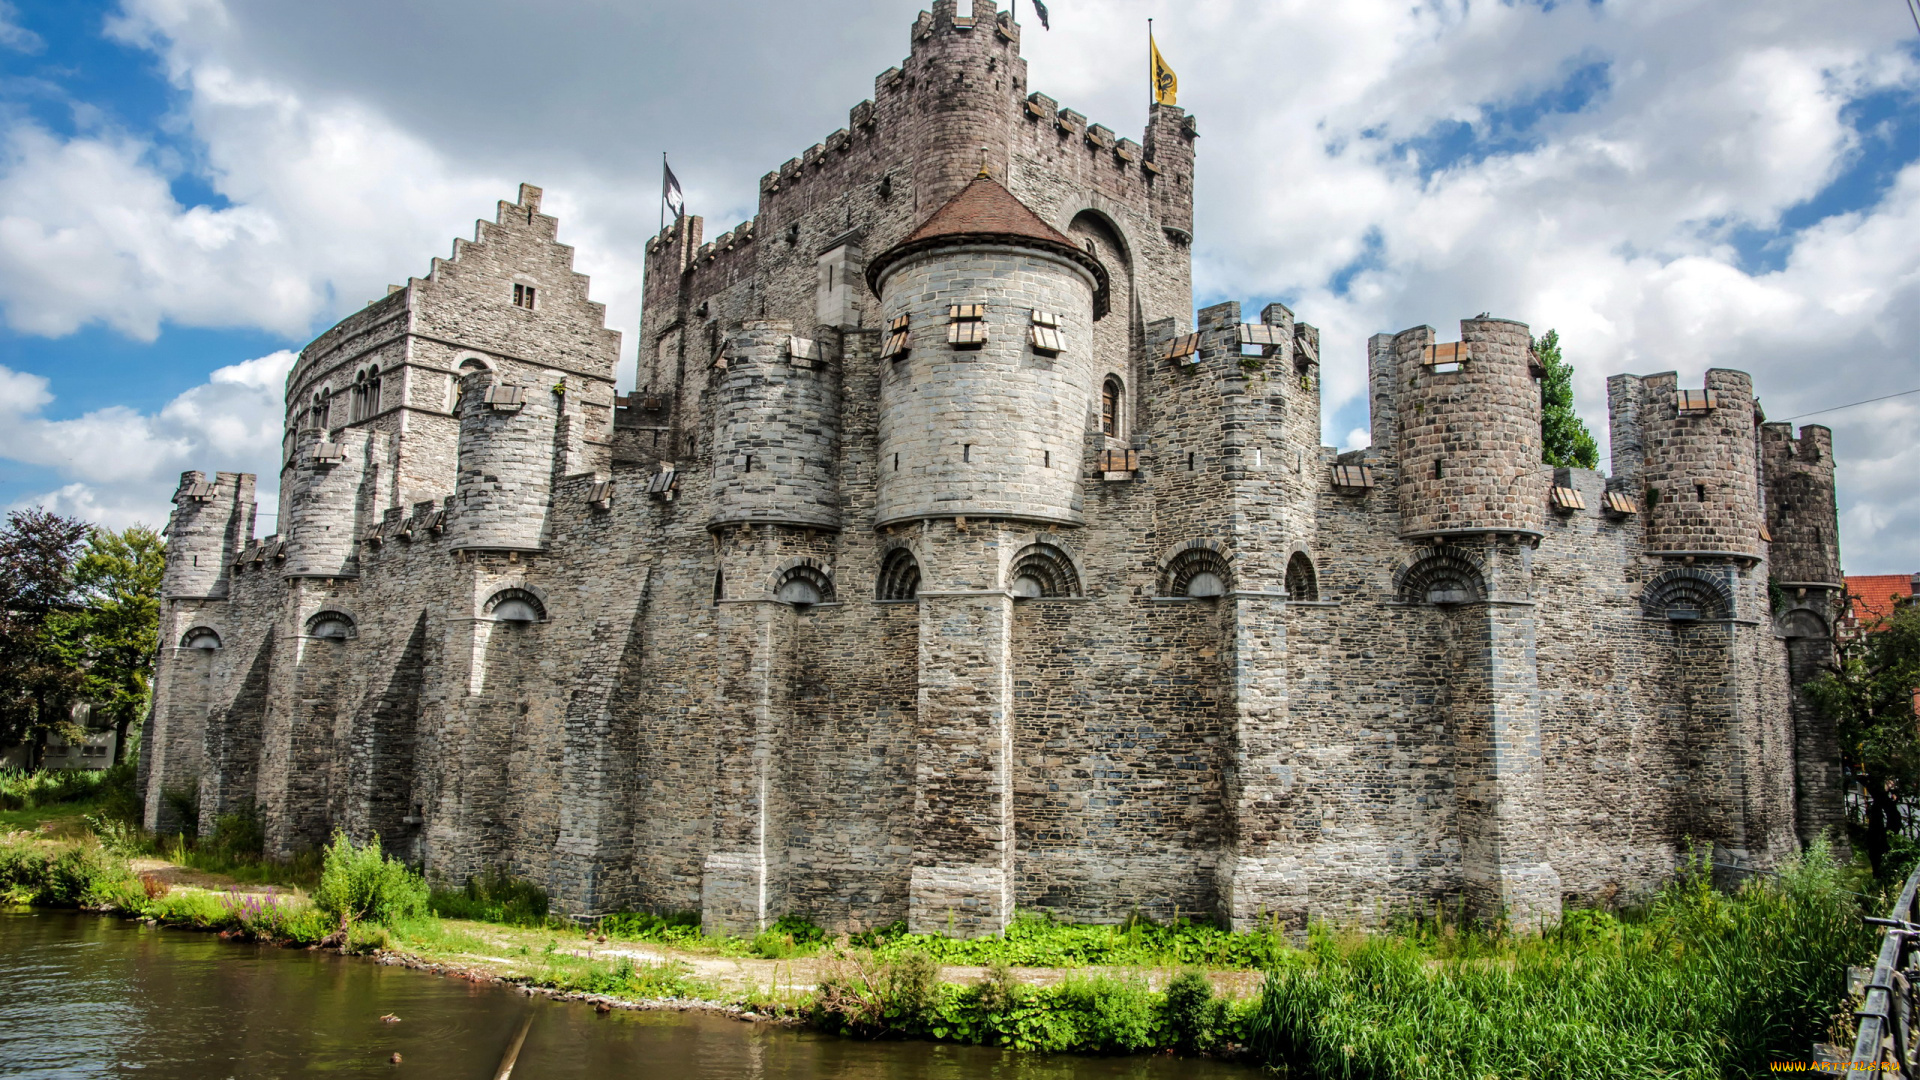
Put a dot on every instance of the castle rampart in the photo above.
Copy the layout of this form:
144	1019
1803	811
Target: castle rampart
1115	635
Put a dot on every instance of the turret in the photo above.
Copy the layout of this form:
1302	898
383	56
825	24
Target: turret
508	429
989	383
211	519
1696	460
967	68
1469	430
1802	516
320	502
775	442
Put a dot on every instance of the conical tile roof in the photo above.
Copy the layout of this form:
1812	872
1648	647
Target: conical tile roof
986	212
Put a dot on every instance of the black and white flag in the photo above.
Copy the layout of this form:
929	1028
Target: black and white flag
670	189
1040	9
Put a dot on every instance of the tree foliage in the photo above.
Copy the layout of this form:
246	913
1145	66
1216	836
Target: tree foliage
39	683
1564	439
79	617
114	634
1869	698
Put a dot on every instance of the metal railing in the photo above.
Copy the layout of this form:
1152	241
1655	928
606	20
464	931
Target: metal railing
1884	1042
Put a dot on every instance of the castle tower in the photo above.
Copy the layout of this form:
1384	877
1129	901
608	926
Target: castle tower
1695	460
320	502
508	425
1469	431
990	380
775	442
1803	517
1804	559
970	71
211	519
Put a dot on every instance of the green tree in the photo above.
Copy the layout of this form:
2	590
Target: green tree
39	683
1868	697
114	635
1565	441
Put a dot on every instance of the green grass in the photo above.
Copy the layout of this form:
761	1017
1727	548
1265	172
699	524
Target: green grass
23	790
1703	985
1036	940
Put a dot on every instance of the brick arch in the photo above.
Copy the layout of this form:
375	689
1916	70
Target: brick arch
1303	575
516	592
801	568
1440	571
515	584
1056	570
1687	588
1804	623
901	571
1183	561
333	613
199	630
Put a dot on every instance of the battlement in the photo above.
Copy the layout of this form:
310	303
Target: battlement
1803	522
1468	428
1694	456
211	519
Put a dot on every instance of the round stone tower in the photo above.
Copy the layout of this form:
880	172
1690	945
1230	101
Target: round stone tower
1470	431
210	519
990	378
966	73
319	497
504	480
1701	465
776	430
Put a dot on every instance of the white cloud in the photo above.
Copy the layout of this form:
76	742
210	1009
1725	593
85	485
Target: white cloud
122	465
345	162
13	35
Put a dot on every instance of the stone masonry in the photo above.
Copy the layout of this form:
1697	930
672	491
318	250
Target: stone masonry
943	562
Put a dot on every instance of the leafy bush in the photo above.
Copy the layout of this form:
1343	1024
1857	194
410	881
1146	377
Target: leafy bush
1197	1018
359	883
789	936
24	790
622	978
69	874
1705	985
495	897
673	928
1036	940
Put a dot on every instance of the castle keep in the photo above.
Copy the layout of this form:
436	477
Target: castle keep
942	563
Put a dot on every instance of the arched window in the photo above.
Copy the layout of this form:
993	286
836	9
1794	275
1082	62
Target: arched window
719	585
899	576
331	626
1201	572
357	404
373	391
803	586
1112	404
515	606
1042	570
1685	594
200	637
1441	576
1302	582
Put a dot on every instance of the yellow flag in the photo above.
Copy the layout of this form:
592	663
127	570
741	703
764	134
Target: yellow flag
1165	83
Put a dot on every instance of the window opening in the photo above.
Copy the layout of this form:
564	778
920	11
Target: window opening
967	325
966	452
1046	459
899	576
898	343
1189	461
1046	332
1700	490
1303	582
1111	394
523	296
896	463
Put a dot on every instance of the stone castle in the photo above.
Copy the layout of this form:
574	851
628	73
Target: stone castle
942	563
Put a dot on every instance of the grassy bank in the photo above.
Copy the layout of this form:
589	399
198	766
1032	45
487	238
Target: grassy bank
1697	984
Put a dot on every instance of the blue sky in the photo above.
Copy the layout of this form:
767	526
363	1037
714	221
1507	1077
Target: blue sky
190	188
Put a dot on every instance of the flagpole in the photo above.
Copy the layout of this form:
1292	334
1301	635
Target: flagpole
663	191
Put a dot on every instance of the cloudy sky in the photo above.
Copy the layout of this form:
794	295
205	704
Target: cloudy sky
190	189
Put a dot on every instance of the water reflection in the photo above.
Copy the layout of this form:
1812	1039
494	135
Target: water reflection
84	996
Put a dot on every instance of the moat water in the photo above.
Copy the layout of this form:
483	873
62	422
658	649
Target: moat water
85	996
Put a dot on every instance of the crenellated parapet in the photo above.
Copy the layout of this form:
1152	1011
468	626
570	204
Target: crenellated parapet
1802	514
212	518
1468	436
1693	455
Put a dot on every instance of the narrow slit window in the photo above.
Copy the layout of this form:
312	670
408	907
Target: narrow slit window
896	463
1189	461
966	452
1700	492
523	296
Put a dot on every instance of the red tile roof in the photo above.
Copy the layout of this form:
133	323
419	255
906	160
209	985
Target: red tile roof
984	211
1874	595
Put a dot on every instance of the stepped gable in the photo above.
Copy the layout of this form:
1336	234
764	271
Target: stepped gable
986	212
